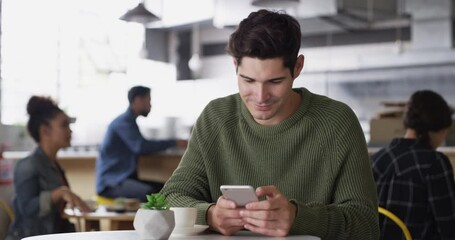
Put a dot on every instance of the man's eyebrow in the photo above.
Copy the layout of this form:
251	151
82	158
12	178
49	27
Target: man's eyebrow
243	76
272	79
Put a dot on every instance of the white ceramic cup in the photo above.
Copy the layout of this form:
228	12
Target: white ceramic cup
184	216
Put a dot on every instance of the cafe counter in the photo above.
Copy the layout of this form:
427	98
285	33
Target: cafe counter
80	166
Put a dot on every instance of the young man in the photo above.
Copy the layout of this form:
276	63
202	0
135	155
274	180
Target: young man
414	181
116	174
305	153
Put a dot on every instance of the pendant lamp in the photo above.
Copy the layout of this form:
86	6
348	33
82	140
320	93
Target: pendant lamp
139	14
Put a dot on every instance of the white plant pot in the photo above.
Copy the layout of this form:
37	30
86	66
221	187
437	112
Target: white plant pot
154	224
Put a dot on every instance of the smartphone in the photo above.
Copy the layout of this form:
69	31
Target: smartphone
240	194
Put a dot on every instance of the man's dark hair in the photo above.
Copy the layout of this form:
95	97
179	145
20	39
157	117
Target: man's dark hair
266	34
427	111
136	92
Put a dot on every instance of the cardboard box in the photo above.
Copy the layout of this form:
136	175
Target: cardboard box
383	130
450	139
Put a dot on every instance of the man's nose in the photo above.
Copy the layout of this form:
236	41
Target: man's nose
262	93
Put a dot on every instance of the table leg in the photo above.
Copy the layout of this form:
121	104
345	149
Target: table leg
121	225
91	225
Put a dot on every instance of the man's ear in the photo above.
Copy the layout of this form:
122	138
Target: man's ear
136	101
298	65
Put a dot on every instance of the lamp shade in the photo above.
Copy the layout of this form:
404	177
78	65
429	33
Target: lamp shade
139	14
275	3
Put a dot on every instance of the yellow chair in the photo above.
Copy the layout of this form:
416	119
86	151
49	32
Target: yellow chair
397	220
8	209
100	200
6	217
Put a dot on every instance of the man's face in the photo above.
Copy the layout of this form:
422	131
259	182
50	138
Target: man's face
145	105
265	87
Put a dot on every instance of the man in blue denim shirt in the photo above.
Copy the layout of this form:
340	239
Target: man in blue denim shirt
116	173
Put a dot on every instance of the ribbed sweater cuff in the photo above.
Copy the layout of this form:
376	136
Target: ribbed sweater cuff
202	209
309	221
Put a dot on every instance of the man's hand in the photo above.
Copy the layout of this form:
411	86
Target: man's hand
224	217
273	217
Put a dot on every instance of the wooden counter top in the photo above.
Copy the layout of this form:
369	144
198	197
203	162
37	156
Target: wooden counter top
64	155
90	155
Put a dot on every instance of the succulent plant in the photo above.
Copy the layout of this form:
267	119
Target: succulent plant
156	201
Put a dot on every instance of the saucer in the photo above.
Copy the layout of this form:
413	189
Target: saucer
187	231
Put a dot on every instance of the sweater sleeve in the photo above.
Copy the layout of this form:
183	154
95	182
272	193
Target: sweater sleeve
353	212
188	185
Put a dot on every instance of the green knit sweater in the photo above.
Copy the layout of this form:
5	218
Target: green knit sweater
317	158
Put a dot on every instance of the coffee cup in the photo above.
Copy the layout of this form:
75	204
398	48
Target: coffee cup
185	217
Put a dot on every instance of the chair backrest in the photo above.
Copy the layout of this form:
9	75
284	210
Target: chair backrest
396	220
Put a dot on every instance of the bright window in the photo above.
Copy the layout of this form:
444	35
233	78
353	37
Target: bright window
76	51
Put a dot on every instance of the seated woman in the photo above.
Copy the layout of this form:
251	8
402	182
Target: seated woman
414	181
40	184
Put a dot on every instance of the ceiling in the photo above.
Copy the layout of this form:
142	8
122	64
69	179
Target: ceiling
315	16
328	23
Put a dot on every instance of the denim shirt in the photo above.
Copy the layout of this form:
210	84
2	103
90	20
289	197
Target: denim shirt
35	177
123	143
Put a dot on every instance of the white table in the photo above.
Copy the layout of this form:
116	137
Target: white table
132	235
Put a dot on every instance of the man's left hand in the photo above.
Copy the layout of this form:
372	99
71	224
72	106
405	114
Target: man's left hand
273	217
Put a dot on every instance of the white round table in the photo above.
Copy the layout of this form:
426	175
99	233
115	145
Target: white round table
132	235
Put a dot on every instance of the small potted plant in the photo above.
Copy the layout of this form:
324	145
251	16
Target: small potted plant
154	220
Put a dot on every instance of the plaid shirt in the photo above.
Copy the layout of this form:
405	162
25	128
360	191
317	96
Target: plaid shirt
415	183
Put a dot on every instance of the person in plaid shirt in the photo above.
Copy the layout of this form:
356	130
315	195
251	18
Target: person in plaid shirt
414	181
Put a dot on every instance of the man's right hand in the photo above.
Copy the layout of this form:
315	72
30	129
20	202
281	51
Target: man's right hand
224	217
